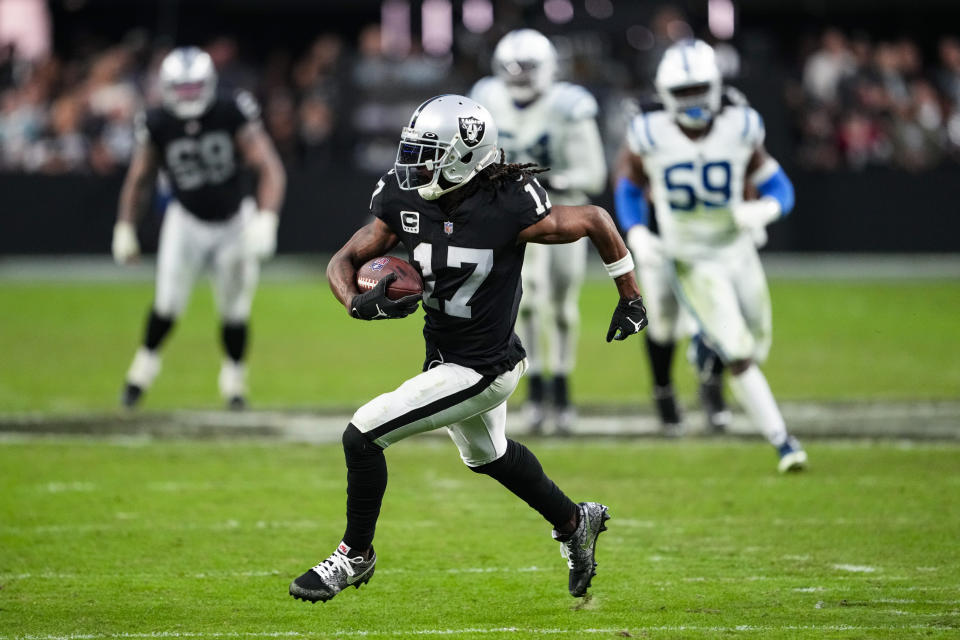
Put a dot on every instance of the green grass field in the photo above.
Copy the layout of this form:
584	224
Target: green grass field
66	347
200	540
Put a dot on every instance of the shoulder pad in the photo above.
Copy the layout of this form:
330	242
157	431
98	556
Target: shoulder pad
573	102
247	105
483	90
642	131
733	96
752	132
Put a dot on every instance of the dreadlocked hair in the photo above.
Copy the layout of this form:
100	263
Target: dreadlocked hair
489	178
501	171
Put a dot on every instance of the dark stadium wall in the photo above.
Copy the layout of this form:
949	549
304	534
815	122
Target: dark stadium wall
869	211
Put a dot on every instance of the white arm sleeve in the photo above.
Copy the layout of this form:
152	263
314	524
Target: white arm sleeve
587	165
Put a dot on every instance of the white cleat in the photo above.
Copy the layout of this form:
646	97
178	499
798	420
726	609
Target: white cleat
792	456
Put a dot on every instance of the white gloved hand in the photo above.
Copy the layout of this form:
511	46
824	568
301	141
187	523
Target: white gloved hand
647	249
759	236
753	216
260	234
125	246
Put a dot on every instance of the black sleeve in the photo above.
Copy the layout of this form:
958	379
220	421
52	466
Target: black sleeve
527	202
380	197
147	127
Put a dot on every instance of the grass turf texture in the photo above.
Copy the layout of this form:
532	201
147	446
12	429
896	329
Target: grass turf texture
706	541
66	347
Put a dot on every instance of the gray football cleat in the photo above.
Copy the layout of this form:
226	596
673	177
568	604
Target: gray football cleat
566	418
535	415
580	547
332	576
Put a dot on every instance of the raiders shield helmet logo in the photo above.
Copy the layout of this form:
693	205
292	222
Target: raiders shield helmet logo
471	130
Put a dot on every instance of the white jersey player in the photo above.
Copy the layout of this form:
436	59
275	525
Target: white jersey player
552	124
201	140
695	158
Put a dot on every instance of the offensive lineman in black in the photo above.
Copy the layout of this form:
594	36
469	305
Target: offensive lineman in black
201	140
464	219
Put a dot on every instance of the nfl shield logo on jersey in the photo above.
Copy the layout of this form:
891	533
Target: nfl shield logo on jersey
448	228
471	130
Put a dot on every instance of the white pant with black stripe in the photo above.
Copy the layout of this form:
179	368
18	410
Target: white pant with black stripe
472	407
188	245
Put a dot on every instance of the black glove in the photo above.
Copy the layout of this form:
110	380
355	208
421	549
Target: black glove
628	318
375	305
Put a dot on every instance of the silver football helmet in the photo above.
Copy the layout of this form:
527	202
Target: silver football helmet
188	82
688	82
526	61
450	138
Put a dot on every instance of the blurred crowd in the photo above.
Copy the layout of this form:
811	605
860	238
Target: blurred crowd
857	103
75	115
334	101
862	103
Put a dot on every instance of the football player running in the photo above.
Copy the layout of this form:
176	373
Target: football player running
672	320
200	139
694	157
552	124
464	219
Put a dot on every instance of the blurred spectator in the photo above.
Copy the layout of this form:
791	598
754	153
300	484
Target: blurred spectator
858	103
948	75
827	66
874	104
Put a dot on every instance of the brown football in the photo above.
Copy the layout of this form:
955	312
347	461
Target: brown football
408	280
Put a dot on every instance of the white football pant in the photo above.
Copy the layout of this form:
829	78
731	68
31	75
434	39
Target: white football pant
728	297
552	276
188	245
472	407
668	321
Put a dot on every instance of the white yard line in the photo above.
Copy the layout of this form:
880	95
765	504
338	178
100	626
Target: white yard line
855	568
520	631
60	575
129	523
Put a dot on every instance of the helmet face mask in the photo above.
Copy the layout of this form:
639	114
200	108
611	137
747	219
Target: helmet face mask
526	61
188	82
693	104
420	161
689	84
449	140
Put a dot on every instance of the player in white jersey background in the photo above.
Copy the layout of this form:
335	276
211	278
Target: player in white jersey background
694	157
674	322
552	124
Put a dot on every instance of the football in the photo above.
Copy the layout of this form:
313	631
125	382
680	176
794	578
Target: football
408	280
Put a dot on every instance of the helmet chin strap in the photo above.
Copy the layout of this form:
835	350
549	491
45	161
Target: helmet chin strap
435	190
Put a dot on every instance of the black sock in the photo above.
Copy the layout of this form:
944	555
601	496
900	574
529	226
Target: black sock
661	358
561	392
234	337
366	484
158	327
535	388
520	472
709	364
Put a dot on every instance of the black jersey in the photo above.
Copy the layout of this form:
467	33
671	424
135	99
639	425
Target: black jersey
470	261
200	155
